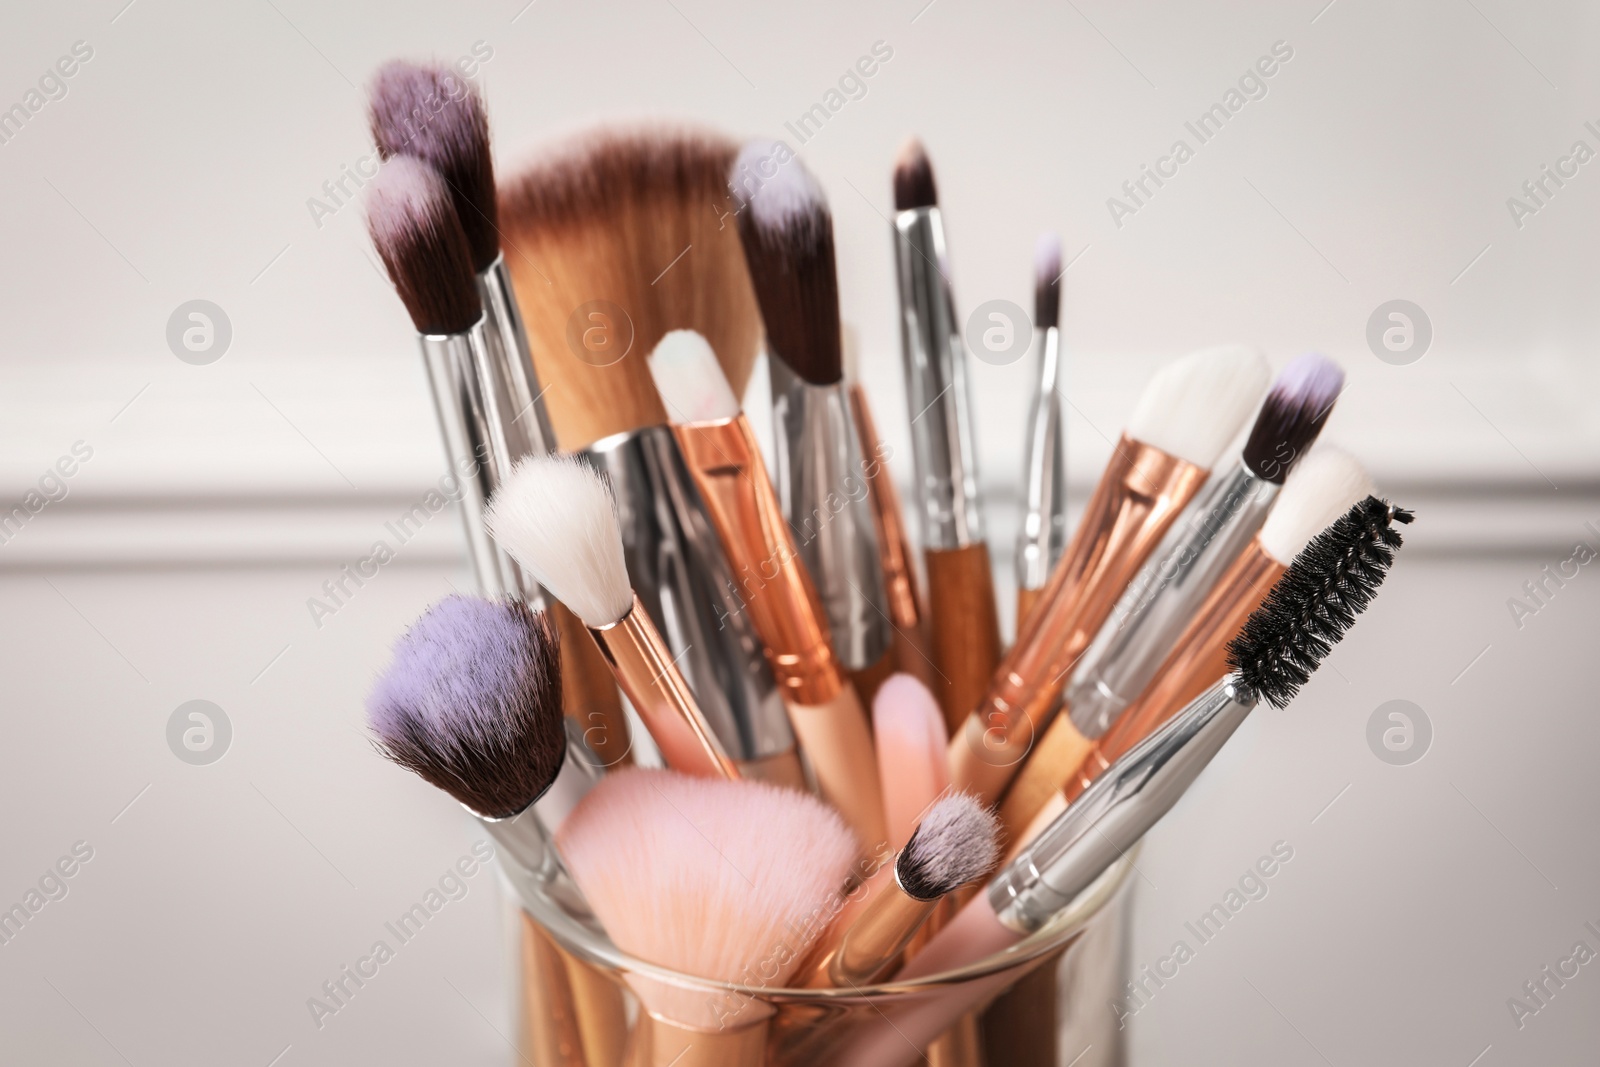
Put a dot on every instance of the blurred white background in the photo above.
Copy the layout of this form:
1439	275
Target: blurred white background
216	499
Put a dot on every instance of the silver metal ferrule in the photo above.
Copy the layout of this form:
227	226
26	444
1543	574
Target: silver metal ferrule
1043	536
682	576
527	418
1130	647
471	428
938	395
822	488
1114	813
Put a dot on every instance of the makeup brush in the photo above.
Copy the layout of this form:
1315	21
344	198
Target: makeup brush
555	516
471	703
953	844
725	461
1043	536
418	237
1326	486
908	729
786	229
963	627
724	880
1187	414
1200	548
908	637
613	239
432	113
1284	641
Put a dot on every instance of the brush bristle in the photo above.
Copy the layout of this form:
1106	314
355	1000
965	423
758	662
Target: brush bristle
471	702
555	516
1196	405
1292	415
431	112
1047	281
1315	602
641	220
728	880
787	233
913	178
956	842
1322	488
418	237
911	741
690	379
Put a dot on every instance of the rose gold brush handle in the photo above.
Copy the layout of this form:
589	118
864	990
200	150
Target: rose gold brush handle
602	1015
909	649
824	710
673	1045
638	655
1140	494
589	694
1197	660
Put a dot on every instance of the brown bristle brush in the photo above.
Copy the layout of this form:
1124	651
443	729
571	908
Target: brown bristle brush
613	239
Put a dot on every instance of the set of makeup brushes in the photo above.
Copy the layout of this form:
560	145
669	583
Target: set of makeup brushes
745	731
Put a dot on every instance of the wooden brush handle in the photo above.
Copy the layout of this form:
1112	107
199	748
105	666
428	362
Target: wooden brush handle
1019	1028
1026	599
1053	763
589	694
549	1022
964	629
836	739
959	1046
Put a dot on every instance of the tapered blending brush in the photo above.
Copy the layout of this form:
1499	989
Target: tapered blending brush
1043	536
1212	546
471	703
614	239
1281	645
786	229
963	627
954	843
725	461
724	880
555	516
1187	414
415	230
432	113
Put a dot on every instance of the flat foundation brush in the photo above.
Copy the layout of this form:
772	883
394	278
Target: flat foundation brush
555	515
725	460
1203	546
786	229
1186	416
964	628
1284	641
724	880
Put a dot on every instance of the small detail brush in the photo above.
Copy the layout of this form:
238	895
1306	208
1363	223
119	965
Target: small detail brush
964	628
725	461
724	880
1284	641
953	844
1043	536
555	515
1186	416
432	113
786	229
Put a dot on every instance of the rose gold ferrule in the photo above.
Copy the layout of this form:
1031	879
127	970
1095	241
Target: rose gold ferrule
893	547
1140	494
1198	658
732	477
638	656
873	942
